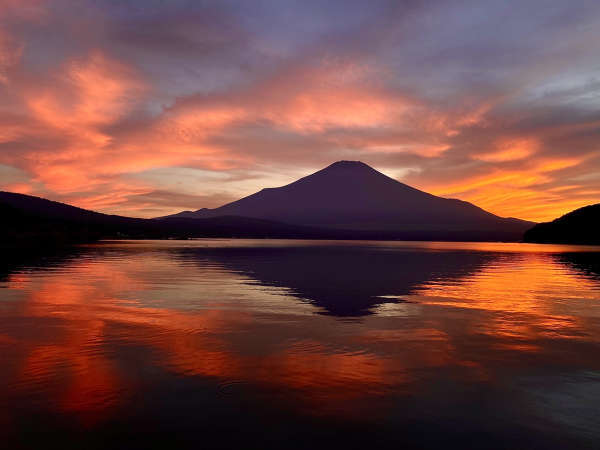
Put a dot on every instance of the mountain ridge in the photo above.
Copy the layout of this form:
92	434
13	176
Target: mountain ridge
34	222
30	221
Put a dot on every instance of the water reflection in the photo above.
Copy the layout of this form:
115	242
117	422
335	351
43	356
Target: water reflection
196	340
343	280
587	263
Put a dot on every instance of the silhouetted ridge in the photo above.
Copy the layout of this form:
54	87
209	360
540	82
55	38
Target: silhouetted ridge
577	227
351	195
29	221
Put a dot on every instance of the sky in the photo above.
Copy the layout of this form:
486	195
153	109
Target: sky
149	107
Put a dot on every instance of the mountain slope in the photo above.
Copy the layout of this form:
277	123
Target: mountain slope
350	195
34	221
580	226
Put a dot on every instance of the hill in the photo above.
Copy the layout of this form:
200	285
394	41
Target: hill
34	221
577	227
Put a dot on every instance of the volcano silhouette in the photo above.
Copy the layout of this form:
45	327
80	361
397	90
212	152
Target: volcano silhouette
350	195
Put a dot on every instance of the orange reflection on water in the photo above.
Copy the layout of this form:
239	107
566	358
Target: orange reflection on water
537	297
75	366
204	321
528	283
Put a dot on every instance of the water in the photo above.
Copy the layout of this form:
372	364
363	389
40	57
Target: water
301	344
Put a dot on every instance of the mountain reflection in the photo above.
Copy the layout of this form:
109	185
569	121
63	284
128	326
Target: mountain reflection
181	337
343	280
586	263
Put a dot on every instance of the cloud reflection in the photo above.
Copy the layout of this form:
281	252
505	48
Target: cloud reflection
97	328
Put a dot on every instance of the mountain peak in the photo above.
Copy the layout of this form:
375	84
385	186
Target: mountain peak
348	165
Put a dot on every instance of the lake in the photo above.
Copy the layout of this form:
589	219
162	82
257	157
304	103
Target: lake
301	344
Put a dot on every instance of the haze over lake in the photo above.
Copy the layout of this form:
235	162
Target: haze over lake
290	344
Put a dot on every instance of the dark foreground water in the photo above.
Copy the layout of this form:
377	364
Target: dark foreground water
298	344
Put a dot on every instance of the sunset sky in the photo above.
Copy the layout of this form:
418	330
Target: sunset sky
146	107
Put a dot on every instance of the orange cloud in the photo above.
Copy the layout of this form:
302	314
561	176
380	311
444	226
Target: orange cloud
514	192
510	150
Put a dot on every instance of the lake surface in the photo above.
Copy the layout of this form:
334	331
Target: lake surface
301	344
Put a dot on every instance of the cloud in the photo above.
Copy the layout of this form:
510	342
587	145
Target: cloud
479	100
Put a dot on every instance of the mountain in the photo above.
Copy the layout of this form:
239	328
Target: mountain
577	227
347	200
350	195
